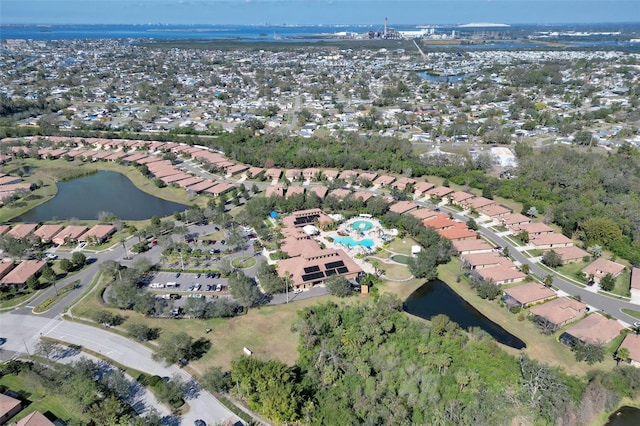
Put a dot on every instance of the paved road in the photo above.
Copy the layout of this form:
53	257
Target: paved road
23	333
610	305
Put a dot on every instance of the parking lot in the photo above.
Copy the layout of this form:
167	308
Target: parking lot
183	284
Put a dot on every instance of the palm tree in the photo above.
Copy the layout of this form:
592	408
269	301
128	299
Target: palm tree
124	247
621	355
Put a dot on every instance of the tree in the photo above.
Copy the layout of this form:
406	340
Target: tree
622	355
338	286
548	280
601	230
142	332
244	289
424	265
47	349
523	236
215	379
78	259
173	348
471	224
532	211
171	391
551	259
48	274
65	265
608	282
588	352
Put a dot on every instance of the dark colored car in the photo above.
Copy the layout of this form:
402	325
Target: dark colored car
200	422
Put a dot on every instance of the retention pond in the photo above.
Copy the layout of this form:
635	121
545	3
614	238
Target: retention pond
84	198
436	297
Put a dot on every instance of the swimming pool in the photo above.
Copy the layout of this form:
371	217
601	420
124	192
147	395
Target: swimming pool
350	242
361	225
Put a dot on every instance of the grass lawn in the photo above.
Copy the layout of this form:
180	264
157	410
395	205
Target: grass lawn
635	314
39	398
623	284
401	258
539	346
401	245
395	272
572	269
243	262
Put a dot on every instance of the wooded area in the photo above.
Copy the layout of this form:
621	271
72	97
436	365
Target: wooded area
371	364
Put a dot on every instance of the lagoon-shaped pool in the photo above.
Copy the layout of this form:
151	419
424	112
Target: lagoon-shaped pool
350	242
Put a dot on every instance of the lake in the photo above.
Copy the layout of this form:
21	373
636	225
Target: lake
84	198
624	416
436	297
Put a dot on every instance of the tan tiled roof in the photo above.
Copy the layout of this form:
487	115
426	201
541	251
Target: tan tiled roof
530	292
632	343
596	329
560	311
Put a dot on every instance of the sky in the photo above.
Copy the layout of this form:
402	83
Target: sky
315	12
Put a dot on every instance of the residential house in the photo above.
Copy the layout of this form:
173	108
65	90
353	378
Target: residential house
558	312
219	189
35	419
236	169
439	192
635	283
384	180
47	232
631	342
601	267
293	175
402	207
401	184
19	275
515	219
527	294
594	329
476	203
273	173
253	172
295	190
311	173
320	191
363	195
473	246
423	213
459	232
9	407
331	174
457	198
494	211
98	233
422	187
70	234
550	241
340	193
202	186
22	230
571	254
534	229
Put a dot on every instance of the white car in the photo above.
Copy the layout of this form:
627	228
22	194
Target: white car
297	291
51	256
636	324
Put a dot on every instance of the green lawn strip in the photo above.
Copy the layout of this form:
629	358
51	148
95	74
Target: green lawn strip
631	312
401	258
243	262
623	285
571	280
52	300
39	399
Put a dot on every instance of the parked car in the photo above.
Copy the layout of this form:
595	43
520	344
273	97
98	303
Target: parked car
219	287
200	422
208	287
197	286
52	256
177	274
198	275
191	287
196	296
297	291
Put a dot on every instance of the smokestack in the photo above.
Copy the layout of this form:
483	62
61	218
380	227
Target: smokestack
385	27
